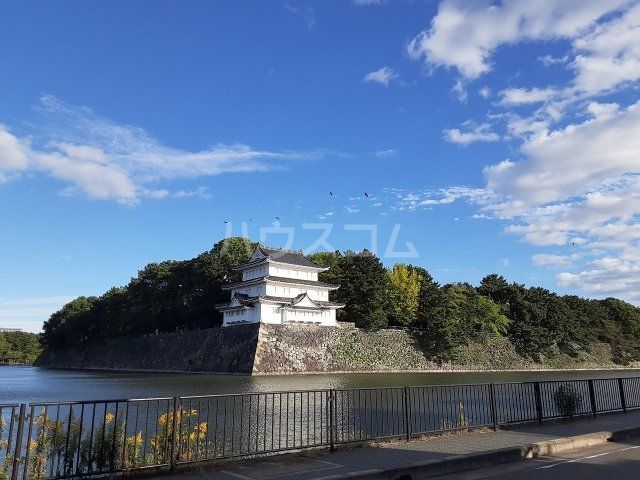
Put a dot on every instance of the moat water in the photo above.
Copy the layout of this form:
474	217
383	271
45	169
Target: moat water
34	384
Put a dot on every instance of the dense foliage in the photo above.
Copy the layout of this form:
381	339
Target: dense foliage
180	295
19	347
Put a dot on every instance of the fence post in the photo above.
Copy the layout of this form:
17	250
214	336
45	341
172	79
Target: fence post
332	408
536	391
494	409
174	435
407	413
17	451
623	399
592	398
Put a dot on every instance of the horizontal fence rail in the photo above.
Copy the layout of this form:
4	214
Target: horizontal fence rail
81	439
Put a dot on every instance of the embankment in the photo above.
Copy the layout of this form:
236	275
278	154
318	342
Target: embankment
286	349
224	350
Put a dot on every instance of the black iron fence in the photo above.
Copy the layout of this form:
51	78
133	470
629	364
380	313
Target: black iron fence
80	439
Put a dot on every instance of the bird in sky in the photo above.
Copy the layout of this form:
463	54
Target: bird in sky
330	193
277	218
366	194
226	221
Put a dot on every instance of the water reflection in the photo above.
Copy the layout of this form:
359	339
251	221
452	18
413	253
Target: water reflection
30	384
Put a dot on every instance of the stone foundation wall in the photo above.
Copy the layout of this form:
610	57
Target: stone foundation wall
310	348
220	350
288	349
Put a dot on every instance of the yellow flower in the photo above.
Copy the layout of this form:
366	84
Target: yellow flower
137	439
32	444
163	419
108	418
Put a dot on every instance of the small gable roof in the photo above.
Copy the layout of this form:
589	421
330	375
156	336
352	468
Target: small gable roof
290	257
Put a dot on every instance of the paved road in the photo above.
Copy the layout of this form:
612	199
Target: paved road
613	461
319	464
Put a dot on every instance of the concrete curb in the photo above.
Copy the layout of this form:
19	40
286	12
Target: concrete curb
463	463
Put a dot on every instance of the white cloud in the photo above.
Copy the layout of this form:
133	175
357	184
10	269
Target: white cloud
368	2
464	34
13	153
549	60
572	161
549	260
479	133
521	96
351	209
609	55
105	160
29	313
326	215
304	10
409	200
609	277
484	92
460	91
390	153
383	76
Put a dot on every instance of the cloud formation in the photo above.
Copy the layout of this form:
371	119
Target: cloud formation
103	160
383	76
478	133
463	35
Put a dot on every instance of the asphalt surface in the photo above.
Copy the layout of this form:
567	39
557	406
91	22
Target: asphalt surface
613	461
315	465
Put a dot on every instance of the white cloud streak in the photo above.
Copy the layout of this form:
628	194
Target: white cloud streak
479	133
29	313
383	76
104	160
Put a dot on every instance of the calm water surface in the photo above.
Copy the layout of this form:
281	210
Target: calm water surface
34	384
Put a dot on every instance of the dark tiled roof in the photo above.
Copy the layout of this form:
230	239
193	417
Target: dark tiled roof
300	281
247	300
293	281
287	256
281	256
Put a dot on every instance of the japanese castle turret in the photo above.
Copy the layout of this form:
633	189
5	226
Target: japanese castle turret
279	286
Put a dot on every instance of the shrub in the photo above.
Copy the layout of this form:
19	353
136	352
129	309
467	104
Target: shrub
567	400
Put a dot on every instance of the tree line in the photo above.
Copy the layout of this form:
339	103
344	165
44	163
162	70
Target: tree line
180	295
19	347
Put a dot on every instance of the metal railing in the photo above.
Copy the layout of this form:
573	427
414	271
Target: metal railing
81	439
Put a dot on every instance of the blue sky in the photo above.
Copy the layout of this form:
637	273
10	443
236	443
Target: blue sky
490	136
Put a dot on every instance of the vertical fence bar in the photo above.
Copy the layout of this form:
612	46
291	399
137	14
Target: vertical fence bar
536	392
494	409
26	453
17	451
592	398
407	414
332	408
174	436
623	400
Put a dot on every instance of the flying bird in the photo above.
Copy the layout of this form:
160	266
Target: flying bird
330	193
277	218
366	194
226	221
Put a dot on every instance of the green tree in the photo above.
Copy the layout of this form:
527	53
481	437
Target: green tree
474	314
404	294
70	324
440	332
21	347
364	289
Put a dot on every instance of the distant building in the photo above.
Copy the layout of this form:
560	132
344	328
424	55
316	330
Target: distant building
279	286
6	329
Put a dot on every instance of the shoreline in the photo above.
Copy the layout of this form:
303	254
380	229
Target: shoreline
346	372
